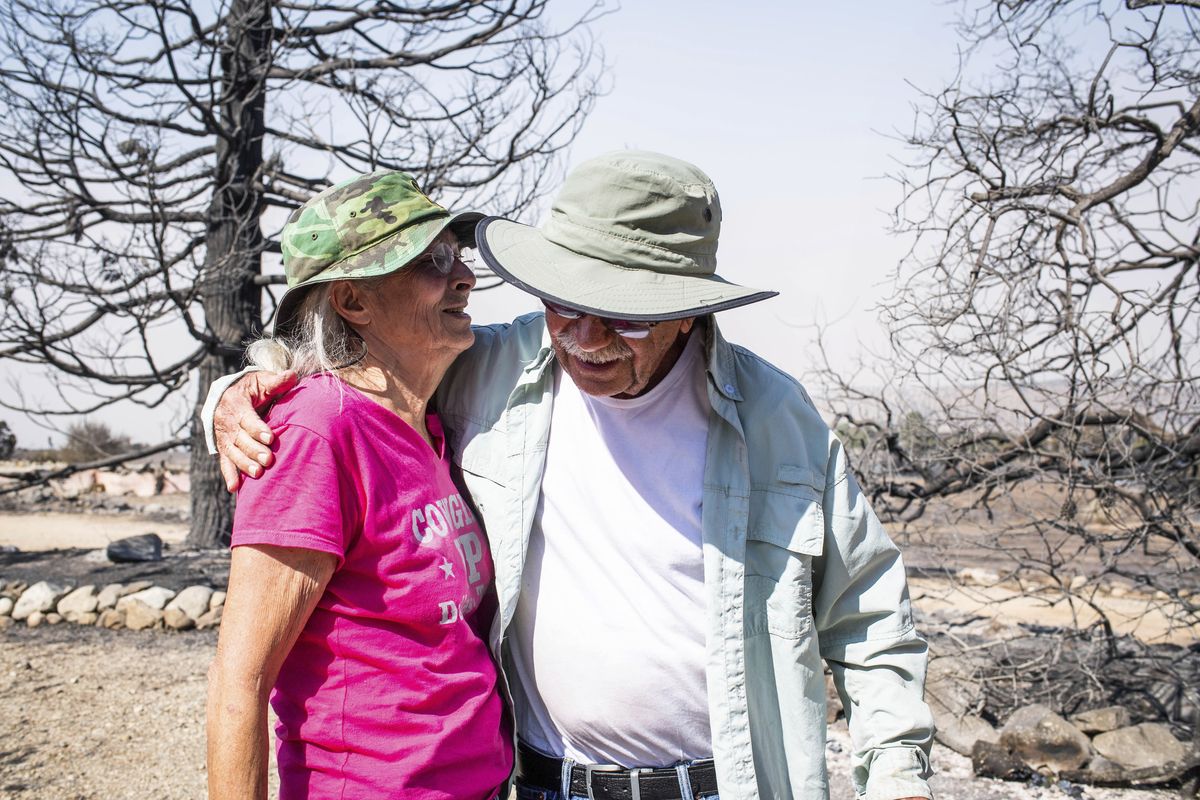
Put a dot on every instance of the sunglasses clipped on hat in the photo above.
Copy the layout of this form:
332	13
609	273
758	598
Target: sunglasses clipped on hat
632	237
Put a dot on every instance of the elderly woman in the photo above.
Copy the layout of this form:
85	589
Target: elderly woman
358	571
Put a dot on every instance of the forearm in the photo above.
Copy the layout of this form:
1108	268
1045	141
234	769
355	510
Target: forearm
272	592
862	610
237	737
878	663
890	725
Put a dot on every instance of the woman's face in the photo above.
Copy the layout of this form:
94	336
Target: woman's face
418	310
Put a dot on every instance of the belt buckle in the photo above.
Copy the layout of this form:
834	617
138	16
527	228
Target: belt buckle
588	769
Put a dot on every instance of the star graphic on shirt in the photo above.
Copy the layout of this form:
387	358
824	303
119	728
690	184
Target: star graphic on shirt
447	567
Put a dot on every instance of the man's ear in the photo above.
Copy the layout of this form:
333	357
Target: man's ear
685	325
346	300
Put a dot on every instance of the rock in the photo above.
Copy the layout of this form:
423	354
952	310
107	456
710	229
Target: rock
177	619
134	588
15	588
979	576
53	618
6	606
108	596
951	681
1101	765
1150	744
1105	772
81	601
131	549
217	600
111	618
961	734
210	619
1101	720
954	695
6	623
35	618
155	597
994	760
138	615
85	619
1042	738
42	596
193	601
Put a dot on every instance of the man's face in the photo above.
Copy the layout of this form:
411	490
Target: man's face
605	364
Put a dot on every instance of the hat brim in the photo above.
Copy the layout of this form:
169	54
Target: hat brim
421	235
523	257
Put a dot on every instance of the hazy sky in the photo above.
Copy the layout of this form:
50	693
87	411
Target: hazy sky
792	108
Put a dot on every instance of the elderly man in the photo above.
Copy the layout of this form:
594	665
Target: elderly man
678	540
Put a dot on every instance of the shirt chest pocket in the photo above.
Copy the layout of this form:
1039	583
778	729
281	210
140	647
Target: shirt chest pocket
787	530
479	453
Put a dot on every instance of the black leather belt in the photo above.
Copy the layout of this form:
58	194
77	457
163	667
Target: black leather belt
613	783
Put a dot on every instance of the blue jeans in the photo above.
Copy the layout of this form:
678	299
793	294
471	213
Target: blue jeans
527	792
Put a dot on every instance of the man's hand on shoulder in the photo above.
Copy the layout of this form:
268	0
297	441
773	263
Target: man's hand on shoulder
243	440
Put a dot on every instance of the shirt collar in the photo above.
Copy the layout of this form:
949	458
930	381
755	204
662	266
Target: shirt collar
721	370
543	360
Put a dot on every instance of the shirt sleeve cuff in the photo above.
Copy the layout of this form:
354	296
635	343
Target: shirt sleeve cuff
215	391
896	772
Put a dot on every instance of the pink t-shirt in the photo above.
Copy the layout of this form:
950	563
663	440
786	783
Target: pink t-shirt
390	690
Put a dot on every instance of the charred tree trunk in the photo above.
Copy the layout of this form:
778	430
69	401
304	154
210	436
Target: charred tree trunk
141	160
233	254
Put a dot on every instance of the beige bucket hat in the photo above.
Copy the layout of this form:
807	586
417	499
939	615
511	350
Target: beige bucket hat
631	235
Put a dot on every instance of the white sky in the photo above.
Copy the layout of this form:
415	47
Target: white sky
791	108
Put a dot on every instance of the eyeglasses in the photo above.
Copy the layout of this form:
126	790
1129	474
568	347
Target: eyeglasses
442	256
626	328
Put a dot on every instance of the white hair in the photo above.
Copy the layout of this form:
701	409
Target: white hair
319	341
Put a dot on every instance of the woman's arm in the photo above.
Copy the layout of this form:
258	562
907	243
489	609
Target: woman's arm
272	592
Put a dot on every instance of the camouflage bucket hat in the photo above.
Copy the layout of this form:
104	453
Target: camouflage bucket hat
363	227
631	235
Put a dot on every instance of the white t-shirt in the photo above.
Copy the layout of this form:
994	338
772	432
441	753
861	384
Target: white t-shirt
608	642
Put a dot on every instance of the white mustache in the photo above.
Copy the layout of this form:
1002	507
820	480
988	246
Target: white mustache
617	351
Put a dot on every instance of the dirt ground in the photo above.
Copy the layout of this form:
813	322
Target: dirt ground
55	531
103	714
92	714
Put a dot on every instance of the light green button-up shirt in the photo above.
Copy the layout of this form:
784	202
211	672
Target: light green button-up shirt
797	567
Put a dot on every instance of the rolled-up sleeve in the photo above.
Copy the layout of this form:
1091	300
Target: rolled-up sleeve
863	615
209	410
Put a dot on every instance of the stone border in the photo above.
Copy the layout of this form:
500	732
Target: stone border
136	606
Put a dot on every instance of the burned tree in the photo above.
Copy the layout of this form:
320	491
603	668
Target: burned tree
1041	401
150	150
